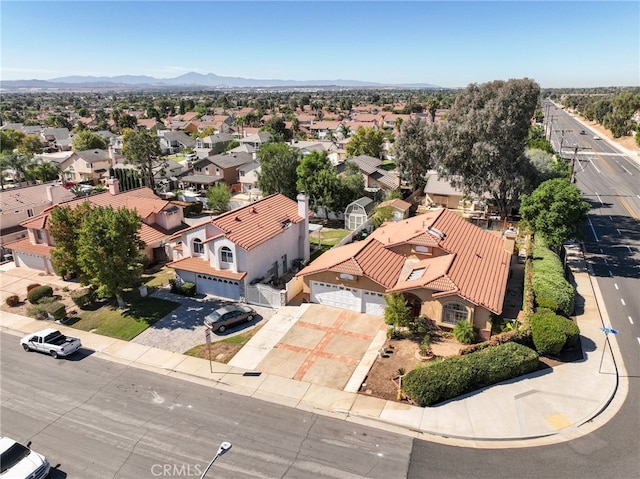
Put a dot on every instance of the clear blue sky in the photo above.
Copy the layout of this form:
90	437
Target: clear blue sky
450	44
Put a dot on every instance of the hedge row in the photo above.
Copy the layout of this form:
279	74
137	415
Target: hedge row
438	381
551	332
550	287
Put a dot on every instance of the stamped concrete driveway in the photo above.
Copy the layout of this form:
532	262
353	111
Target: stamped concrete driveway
324	346
183	328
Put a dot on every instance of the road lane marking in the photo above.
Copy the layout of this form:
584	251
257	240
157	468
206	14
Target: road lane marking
605	260
594	165
610	273
604	162
593	230
622	301
616	285
638	340
626	206
599	199
618	231
622	166
630	320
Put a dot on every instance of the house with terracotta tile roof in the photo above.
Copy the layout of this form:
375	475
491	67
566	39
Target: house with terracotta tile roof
20	204
399	208
446	268
258	242
160	220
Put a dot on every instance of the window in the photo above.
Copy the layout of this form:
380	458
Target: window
198	247
39	235
227	255
454	312
29	212
241	172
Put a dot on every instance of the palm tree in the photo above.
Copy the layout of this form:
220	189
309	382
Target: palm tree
344	130
19	163
4	166
47	171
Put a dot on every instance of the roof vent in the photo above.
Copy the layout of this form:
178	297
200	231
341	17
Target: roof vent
436	232
237	218
254	210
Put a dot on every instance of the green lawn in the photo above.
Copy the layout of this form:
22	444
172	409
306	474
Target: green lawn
107	319
330	237
158	279
222	351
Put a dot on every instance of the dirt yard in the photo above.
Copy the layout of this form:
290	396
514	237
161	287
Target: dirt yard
382	380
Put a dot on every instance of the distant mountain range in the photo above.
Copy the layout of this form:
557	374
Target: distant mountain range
189	80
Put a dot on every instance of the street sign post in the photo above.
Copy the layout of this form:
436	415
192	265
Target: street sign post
207	337
607	331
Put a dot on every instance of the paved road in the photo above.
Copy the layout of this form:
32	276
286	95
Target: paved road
99	419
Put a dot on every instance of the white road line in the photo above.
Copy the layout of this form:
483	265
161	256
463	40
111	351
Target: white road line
599	199
618	231
605	260
610	218
594	165
616	285
594	231
622	166
638	340
610	273
622	301
630	320
629	248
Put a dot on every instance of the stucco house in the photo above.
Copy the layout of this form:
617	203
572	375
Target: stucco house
375	177
226	254
439	192
446	268
399	208
215	169
160	220
20	204
89	165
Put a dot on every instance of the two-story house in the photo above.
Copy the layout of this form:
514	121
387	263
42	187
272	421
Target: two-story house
224	255
214	169
160	220
88	165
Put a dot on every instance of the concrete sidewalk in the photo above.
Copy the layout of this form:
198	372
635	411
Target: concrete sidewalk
548	406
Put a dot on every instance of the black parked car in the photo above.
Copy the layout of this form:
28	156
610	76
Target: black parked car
227	316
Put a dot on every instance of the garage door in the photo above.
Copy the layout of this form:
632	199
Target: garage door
338	296
373	302
222	287
29	260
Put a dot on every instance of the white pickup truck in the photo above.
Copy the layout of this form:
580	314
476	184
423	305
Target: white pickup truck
51	341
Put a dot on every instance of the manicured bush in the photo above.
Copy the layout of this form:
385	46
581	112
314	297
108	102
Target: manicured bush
438	381
57	310
12	300
38	311
463	332
36	294
194	208
546	303
571	331
188	289
83	297
548	333
549	283
31	286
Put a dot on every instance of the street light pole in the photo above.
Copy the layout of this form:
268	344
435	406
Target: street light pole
224	447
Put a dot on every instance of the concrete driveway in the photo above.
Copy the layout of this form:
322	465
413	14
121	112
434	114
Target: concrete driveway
183	328
14	280
318	344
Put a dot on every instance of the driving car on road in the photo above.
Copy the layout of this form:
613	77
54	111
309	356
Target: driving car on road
596	137
226	316
51	341
20	462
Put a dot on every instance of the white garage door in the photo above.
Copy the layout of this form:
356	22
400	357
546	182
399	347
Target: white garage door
373	303
222	287
338	296
29	260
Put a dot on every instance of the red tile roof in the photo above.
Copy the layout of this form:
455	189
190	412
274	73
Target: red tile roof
252	225
25	246
200	265
476	266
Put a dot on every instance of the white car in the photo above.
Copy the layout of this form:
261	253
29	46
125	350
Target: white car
20	462
596	137
51	341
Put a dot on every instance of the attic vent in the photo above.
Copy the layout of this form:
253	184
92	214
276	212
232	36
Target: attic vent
237	218
416	274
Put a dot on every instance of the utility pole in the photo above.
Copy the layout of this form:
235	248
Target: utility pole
573	165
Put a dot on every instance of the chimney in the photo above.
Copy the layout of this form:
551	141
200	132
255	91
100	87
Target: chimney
254	155
54	194
303	211
114	186
112	155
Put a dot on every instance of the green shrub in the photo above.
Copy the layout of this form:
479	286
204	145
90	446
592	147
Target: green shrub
188	289
549	284
83	297
38	311
463	332
57	310
438	381
546	303
36	294
571	332
12	300
548	333
31	286
194	208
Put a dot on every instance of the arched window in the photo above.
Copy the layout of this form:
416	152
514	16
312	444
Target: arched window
226	255
454	312
198	247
